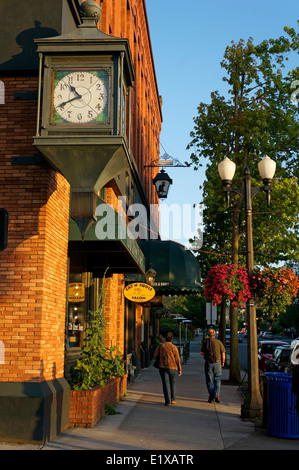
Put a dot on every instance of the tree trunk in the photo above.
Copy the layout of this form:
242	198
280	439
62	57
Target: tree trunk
234	372
222	332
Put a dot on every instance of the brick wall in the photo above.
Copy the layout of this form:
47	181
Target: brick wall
33	268
114	311
127	18
88	406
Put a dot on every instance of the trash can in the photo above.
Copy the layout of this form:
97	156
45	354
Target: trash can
283	418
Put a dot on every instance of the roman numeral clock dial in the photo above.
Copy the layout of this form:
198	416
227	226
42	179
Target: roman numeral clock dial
81	97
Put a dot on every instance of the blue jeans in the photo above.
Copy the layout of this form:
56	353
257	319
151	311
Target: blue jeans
213	373
168	377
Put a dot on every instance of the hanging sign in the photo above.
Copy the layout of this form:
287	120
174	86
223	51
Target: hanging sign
211	313
76	292
139	292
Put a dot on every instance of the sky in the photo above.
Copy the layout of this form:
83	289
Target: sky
188	42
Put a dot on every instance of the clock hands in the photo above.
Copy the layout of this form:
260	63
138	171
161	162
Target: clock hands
73	90
61	105
78	97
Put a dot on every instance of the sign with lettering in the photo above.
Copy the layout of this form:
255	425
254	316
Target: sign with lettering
76	292
139	292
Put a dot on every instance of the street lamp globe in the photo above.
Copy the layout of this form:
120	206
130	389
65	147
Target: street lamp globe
227	170
267	169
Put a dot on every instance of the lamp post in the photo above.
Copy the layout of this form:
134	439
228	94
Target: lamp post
252	406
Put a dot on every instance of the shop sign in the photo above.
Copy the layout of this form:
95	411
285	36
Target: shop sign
139	292
76	292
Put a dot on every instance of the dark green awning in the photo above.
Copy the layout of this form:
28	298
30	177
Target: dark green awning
119	252
177	268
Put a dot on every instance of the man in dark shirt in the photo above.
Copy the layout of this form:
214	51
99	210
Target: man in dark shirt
213	351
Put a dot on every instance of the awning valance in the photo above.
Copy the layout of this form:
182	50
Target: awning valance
177	268
118	252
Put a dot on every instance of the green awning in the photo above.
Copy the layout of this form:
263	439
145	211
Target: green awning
177	268
118	252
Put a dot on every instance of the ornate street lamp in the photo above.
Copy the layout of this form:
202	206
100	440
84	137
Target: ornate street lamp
162	183
150	275
253	404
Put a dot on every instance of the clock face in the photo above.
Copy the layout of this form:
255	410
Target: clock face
81	97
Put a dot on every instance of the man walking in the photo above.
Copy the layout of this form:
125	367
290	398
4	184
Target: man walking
213	351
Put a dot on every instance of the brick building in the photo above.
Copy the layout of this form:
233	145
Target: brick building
41	326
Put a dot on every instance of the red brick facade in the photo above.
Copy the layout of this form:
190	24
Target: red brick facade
127	18
34	266
33	269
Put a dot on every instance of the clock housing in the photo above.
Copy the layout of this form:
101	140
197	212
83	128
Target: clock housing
84	109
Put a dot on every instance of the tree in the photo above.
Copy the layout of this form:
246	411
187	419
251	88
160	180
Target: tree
191	306
256	119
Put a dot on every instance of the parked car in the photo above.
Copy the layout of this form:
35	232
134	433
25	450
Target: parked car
227	337
267	335
280	359
265	350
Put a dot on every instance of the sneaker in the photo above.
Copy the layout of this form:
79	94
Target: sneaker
210	400
167	404
217	399
173	402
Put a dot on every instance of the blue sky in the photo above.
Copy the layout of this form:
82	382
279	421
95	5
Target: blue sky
188	41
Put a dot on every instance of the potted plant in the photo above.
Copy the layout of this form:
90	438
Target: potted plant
274	289
227	281
98	376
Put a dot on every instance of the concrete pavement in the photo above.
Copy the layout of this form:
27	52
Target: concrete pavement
145	423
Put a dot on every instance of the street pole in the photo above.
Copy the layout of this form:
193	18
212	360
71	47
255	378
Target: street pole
253	405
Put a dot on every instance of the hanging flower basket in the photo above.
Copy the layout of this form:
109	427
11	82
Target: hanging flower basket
274	289
227	281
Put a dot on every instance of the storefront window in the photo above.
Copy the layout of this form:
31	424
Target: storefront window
83	292
76	321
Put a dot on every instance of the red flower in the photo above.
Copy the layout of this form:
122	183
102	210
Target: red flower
229	282
274	289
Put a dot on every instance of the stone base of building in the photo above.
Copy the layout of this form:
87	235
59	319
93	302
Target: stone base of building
33	412
88	406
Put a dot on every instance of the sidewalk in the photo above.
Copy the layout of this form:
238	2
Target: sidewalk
145	423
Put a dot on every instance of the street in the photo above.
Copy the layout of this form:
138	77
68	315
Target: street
242	353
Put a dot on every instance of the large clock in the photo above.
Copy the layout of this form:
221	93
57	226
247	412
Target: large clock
81	96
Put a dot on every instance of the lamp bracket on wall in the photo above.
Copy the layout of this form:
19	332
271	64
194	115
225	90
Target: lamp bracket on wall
167	160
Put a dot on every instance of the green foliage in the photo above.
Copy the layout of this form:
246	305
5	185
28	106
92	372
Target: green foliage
97	363
255	118
109	410
275	288
290	318
191	306
169	324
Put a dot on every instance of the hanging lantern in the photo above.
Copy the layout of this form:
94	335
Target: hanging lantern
162	182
